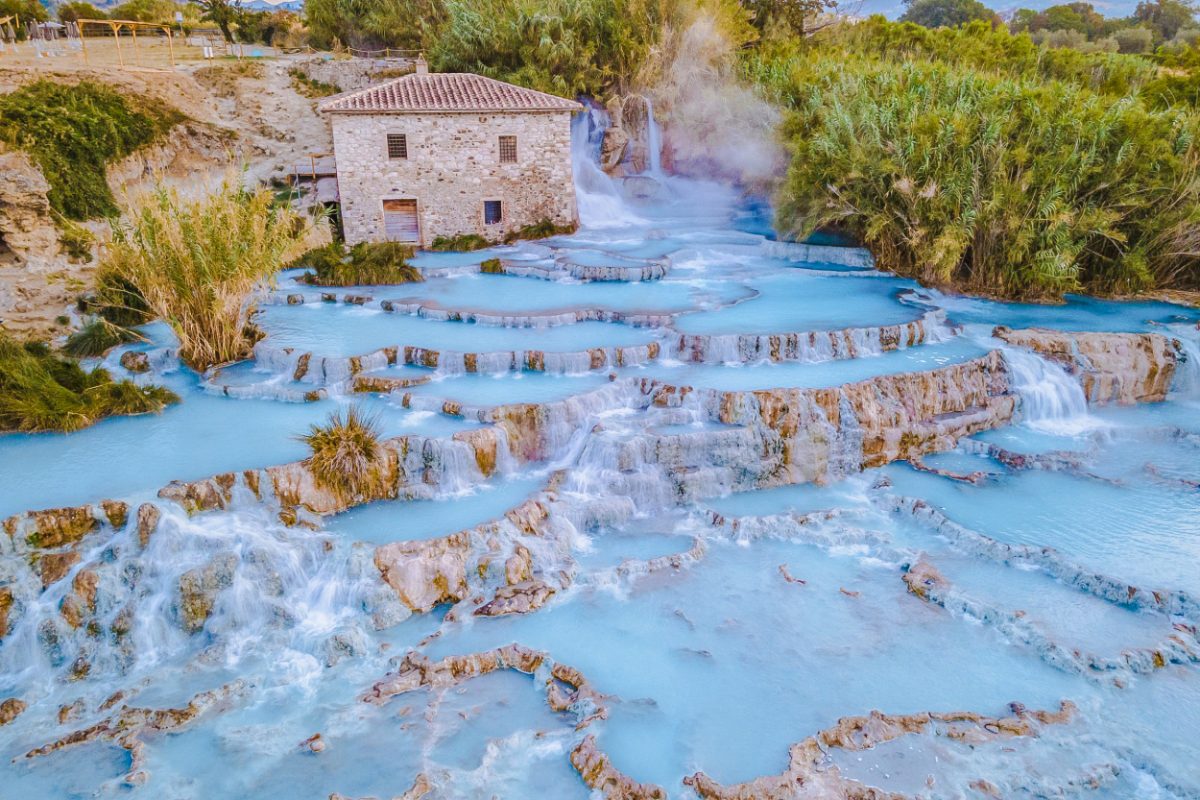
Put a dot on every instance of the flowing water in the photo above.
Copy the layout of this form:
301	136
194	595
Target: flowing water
723	596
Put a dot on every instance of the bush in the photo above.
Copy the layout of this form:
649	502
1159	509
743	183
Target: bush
40	391
567	47
97	337
366	264
947	13
411	24
200	264
460	243
117	300
539	230
311	87
69	12
1018	188
76	240
1134	40
73	132
780	69
346	454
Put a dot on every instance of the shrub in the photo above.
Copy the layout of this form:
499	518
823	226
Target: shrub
460	243
946	13
97	337
781	68
366	264
1019	188
311	87
493	266
200	264
117	300
73	132
76	240
408	24
567	47
40	391
539	230
346	453
1134	40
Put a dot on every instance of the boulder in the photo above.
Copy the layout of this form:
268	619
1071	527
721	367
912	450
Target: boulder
148	516
426	573
518	598
198	589
135	361
54	566
6	603
519	566
10	709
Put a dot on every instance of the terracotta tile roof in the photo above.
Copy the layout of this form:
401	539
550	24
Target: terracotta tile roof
444	91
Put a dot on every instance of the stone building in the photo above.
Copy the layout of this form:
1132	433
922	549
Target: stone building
442	154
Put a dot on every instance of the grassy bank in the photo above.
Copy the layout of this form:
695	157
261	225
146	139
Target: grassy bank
41	391
74	132
364	264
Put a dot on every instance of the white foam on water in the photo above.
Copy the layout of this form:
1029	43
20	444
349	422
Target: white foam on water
1051	400
599	201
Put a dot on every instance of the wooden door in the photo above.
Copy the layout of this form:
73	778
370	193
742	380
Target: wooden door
400	221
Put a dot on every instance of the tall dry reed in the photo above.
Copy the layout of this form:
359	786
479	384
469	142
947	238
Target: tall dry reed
201	264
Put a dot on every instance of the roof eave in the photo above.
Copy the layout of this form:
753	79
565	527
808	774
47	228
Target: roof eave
366	111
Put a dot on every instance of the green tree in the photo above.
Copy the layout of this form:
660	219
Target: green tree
1134	40
69	12
25	10
947	13
791	14
146	11
222	13
1165	17
405	24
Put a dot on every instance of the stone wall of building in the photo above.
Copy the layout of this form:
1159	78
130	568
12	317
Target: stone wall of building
453	166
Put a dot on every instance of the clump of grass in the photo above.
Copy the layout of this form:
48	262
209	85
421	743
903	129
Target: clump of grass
311	87
117	300
346	452
539	230
97	337
201	264
41	391
365	264
74	132
461	243
493	266
76	240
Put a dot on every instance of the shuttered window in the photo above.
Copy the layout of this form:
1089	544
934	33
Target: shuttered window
400	220
492	212
397	144
508	149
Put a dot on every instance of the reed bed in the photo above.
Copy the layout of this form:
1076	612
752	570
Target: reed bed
201	264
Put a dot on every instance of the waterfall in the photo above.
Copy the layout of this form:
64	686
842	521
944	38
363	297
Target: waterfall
1186	385
600	203
1051	400
654	133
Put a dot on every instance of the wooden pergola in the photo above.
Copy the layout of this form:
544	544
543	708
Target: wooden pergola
116	25
8	23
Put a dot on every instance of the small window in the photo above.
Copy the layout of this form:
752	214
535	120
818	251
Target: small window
508	149
397	145
492	213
